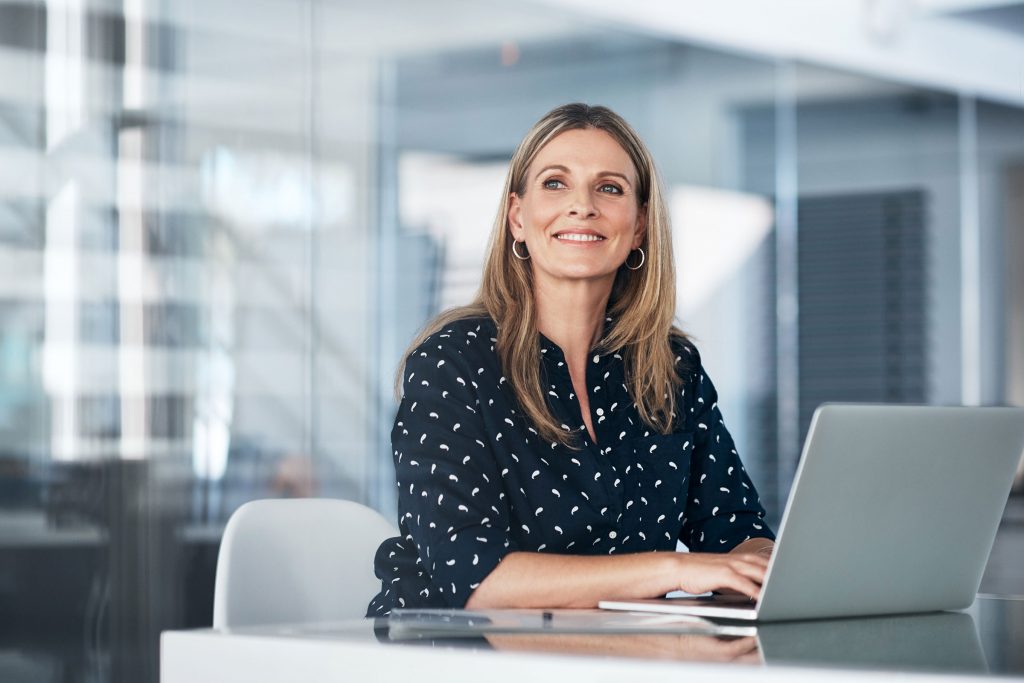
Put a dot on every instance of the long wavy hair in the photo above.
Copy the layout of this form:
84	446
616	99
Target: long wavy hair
642	303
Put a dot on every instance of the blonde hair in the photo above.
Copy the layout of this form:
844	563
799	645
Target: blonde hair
642	302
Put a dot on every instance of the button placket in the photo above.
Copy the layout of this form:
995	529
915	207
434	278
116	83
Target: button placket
605	452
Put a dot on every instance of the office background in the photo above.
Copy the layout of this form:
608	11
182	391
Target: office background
220	225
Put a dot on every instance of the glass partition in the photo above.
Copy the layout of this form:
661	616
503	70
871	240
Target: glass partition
1000	217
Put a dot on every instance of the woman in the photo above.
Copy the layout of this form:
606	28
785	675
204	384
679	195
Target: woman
558	435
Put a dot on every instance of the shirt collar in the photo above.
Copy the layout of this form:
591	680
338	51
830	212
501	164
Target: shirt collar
553	352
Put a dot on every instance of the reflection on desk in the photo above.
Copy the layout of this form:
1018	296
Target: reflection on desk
945	641
588	632
410	624
683	647
986	639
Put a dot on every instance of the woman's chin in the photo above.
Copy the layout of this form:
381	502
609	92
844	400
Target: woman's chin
584	273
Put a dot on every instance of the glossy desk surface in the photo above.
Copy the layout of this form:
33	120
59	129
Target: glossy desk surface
984	641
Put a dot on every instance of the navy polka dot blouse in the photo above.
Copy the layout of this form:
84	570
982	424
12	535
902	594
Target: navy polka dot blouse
476	482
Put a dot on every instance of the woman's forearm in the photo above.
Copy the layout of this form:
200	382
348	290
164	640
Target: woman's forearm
525	579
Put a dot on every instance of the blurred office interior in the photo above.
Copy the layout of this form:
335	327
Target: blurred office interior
221	224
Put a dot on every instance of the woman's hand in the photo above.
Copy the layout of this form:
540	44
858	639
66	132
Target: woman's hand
741	573
760	546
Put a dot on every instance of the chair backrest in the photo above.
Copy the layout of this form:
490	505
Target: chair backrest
297	561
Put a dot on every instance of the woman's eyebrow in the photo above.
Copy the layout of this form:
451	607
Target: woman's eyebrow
565	169
552	167
617	175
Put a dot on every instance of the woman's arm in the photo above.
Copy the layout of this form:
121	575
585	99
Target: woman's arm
526	579
451	504
723	510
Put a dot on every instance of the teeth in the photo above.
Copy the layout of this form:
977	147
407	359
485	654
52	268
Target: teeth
577	237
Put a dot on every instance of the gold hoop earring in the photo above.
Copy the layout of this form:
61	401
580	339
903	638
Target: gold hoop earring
516	253
643	257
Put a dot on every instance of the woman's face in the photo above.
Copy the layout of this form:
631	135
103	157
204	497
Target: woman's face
579	215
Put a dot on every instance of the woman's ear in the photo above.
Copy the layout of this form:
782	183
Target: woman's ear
641	227
514	223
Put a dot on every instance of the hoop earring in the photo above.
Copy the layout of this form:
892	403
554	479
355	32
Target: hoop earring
643	257
516	253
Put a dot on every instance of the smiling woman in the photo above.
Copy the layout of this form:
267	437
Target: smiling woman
558	436
579	215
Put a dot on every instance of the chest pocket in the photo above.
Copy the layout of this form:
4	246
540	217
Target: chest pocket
658	484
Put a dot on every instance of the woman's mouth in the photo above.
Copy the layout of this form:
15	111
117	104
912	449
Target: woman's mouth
579	237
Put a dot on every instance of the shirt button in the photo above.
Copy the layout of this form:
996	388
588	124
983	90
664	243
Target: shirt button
612	534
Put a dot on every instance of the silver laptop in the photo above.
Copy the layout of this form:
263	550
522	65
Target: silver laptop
893	509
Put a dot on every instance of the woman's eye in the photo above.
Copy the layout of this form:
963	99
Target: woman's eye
610	188
552	184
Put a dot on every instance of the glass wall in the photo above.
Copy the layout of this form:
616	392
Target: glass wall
878	218
999	182
220	228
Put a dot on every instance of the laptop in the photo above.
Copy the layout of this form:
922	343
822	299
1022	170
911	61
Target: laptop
893	510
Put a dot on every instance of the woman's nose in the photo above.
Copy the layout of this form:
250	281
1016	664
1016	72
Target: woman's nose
582	204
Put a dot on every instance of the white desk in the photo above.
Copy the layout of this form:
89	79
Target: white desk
987	639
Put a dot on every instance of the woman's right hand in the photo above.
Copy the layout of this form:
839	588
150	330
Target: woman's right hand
741	573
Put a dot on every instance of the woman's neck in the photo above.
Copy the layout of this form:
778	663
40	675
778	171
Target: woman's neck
571	314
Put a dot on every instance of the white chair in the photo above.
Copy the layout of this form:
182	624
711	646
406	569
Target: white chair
297	561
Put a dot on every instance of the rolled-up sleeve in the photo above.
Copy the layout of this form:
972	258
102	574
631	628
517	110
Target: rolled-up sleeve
723	509
450	492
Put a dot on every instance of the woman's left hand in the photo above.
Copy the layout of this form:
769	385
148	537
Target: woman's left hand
757	546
